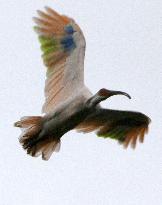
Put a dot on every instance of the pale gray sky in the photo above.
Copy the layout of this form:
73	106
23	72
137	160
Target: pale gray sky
124	52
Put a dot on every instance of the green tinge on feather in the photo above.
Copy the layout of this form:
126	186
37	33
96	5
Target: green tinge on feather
35	28
48	45
48	50
117	134
46	40
49	73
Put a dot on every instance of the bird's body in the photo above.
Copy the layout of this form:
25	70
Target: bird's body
68	102
67	116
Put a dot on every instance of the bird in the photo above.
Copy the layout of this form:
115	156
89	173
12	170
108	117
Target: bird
69	104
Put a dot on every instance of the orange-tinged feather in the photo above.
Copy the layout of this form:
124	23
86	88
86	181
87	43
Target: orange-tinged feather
54	55
29	132
142	134
57	16
42	23
50	78
49	104
57	57
87	129
66	19
57	23
55	84
50	82
44	31
128	139
104	129
134	138
54	80
27	121
44	15
51	93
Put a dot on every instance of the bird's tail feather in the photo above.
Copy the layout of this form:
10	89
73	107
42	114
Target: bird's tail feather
31	127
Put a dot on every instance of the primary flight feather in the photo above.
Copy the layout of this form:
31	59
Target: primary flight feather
68	102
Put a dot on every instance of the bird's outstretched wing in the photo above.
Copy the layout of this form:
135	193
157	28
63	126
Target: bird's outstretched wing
124	126
63	46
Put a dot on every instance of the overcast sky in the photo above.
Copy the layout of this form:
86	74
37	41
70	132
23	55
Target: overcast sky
124	52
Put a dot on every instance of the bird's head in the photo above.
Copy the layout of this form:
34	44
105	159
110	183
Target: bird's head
103	94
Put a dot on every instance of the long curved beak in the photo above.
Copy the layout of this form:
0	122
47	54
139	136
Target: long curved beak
112	92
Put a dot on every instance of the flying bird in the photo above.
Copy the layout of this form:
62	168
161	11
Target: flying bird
69	104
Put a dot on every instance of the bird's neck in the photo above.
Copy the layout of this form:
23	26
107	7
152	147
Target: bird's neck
94	101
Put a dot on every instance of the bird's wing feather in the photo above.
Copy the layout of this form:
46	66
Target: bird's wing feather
124	126
63	54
